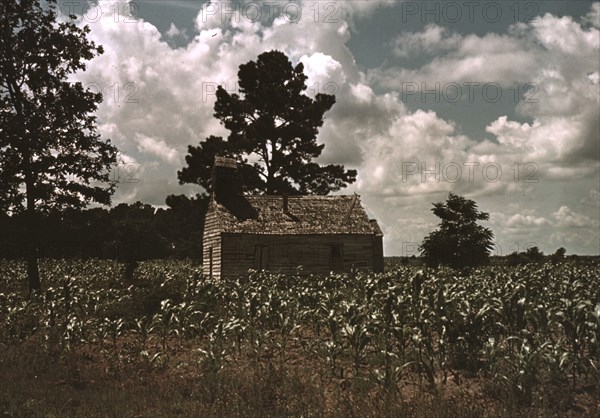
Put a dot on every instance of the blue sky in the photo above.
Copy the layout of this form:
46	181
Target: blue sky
497	101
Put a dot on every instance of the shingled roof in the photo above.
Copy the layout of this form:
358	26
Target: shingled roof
306	215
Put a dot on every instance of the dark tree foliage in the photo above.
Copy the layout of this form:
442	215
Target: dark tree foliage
127	232
459	241
559	255
533	255
199	161
273	127
135	232
51	156
183	225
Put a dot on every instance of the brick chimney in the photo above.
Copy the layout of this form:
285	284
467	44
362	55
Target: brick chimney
284	198
224	180
227	189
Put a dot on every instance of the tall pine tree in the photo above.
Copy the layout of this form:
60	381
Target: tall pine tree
273	128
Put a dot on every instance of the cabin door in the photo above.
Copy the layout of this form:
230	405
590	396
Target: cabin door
336	261
261	257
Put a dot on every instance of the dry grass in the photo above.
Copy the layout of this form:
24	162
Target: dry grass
90	382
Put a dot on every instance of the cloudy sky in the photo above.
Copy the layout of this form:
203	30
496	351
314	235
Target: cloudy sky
498	101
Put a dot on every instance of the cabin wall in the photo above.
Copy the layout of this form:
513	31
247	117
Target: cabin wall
211	238
284	253
378	264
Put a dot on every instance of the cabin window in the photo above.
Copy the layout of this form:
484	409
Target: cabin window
261	257
336	257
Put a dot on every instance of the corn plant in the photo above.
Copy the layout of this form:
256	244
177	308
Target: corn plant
356	334
142	327
522	371
165	323
213	358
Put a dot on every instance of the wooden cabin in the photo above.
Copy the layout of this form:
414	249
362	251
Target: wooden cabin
280	233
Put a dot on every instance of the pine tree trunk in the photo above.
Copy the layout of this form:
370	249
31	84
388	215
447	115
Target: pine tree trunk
33	273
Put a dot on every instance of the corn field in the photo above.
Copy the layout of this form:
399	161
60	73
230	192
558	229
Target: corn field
523	330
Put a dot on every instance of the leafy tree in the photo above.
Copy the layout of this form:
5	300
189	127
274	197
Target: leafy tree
459	241
534	254
559	255
136	232
51	156
183	225
126	232
274	125
515	258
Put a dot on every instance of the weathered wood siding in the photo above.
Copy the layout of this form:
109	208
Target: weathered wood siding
211	239
378	265
286	252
